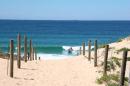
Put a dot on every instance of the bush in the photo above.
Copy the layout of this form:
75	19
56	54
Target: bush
112	63
128	58
123	49
1	52
103	79
111	80
101	46
116	61
112	84
115	77
99	81
119	40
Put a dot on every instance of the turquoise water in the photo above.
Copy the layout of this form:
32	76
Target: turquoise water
55	37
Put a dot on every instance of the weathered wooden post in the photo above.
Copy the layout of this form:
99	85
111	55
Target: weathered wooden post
129	78
123	68
95	53
30	50
32	53
105	59
80	51
35	55
19	51
83	48
89	50
11	57
25	48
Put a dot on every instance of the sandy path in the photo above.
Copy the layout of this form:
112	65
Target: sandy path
68	72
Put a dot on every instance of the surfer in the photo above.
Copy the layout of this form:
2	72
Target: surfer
70	50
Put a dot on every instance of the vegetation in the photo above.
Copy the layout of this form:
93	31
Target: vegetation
128	58
122	49
101	46
119	40
0	51
111	79
112	63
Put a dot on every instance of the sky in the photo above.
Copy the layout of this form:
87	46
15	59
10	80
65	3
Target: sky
65	9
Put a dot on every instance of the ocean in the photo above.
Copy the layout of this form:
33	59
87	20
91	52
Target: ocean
52	38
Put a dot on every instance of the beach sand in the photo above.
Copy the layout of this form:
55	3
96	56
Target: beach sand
76	71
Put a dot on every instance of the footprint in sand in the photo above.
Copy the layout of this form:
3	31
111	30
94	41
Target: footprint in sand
19	83
28	79
29	74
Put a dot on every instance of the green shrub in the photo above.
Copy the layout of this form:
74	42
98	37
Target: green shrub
114	77
111	79
112	63
101	46
103	79
119	40
116	61
123	49
128	58
112	84
126	79
0	52
99	81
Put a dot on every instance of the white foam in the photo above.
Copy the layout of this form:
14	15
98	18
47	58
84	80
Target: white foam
66	47
17	47
75	48
52	56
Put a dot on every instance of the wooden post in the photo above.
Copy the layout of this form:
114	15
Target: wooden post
32	53
89	50
35	55
123	68
80	51
19	51
30	50
25	48
83	48
129	78
105	59
95	53
11	58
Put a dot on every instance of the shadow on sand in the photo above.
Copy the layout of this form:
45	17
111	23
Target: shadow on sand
27	69
24	78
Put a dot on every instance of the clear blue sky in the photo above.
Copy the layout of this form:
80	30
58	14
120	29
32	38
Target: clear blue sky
65	9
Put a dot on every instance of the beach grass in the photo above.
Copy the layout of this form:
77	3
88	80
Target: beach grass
101	46
113	76
123	49
119	40
1	53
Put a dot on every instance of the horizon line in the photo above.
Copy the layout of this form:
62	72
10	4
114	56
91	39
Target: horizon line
60	20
